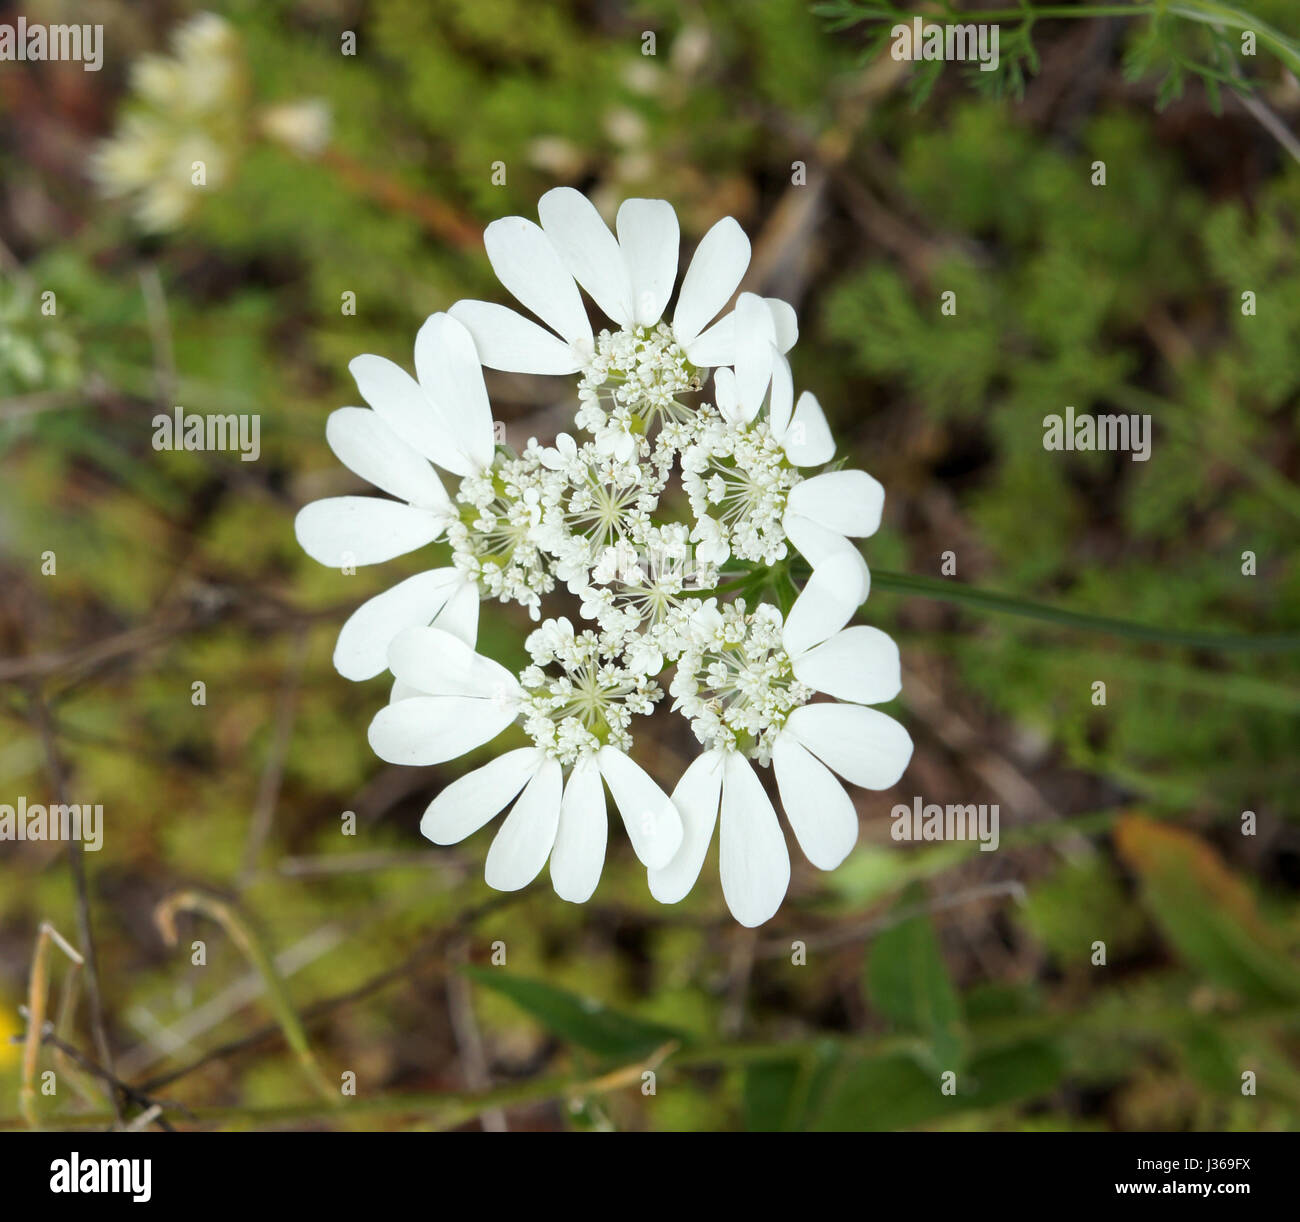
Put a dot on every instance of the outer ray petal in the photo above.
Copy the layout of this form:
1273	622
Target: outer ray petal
754	861
524	842
696	798
579	853
479	796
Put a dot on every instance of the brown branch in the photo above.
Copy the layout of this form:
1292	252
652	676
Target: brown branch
440	219
268	790
77	865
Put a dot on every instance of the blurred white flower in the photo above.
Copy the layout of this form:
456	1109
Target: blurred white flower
187	123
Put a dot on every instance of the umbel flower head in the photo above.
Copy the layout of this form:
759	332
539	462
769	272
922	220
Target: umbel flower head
188	121
631	602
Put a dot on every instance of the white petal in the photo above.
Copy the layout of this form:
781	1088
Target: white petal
821	814
506	340
716	347
460	615
649	237
653	825
368	447
755	864
825	604
406	409
524	842
527	264
808	441
862	745
781	403
579	853
847	502
696	798
859	664
716	268
342	530
724	394
755	349
447	364
785	322
821	547
362	649
589	252
441	664
470	802
402	691
435	729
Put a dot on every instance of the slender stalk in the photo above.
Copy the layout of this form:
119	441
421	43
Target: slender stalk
1110	1021
77	867
987	600
261	960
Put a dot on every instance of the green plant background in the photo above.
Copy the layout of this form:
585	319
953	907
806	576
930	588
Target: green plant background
1121	824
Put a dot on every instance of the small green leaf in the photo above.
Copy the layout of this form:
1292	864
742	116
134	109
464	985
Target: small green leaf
908	982
1206	911
579	1020
779	1096
895	1092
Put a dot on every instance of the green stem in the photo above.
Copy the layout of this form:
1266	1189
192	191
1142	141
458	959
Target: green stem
986	600
1203	12
1106	1021
241	933
1206	12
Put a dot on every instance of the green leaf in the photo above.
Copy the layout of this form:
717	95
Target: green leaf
1206	911
768	1092
578	1020
871	873
908	982
779	1096
1080	904
895	1092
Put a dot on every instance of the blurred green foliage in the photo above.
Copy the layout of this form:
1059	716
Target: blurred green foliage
1117	298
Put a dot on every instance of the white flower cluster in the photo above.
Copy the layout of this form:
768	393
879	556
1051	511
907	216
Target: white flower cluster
188	122
596	515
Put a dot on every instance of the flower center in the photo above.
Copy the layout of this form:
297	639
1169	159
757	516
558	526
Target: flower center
739	478
593	502
492	538
734	680
590	703
630	389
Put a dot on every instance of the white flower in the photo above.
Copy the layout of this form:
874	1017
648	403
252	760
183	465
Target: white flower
741	472
806	744
455	700
444	419
194	106
588	513
630	278
590	502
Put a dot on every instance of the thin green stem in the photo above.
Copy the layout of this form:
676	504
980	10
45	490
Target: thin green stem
987	600
1107	1021
242	934
1203	12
